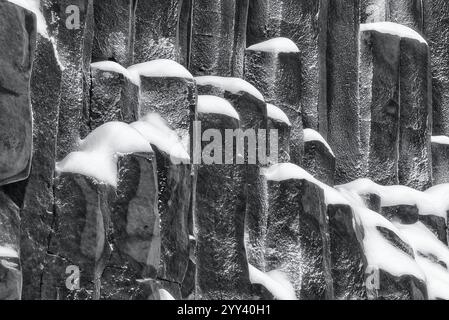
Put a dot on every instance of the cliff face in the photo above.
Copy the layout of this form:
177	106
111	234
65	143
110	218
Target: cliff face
244	149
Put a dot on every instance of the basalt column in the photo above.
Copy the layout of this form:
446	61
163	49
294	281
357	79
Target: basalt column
406	12
440	164
373	11
305	23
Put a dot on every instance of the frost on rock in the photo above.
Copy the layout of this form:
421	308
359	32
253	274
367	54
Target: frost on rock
213	104
98	153
275	45
233	85
275	282
277	114
393	29
160	68
34	6
312	135
112	66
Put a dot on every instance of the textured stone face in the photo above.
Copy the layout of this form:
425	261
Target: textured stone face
18	40
440	165
405	12
283	142
373	11
319	162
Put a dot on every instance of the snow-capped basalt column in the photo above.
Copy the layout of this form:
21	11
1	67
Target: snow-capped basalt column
10	267
222	267
319	159
305	23
440	162
297	236
273	67
379	103
251	107
342	88
18	40
406	12
156	30
278	120
218	37
114	31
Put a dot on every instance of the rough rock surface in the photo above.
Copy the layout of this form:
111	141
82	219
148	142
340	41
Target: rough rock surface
319	161
440	165
406	12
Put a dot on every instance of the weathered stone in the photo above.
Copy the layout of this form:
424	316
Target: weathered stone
304	22
18	40
10	269
283	143
156	30
372	201
276	76
440	163
319	161
406	287
404	214
347	256
342	88
406	12
297	223
114	31
415	122
373	11
379	104
437	225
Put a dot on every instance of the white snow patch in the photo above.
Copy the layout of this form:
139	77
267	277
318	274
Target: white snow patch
165	295
233	85
160	68
440	139
6	252
312	135
276	113
394	29
112	66
275	45
274	281
213	104
34	6
97	154
156	131
437	279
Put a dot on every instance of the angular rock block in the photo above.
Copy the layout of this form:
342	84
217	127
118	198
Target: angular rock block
277	75
305	23
218	37
380	104
406	12
436	29
134	231
342	88
294	245
347	256
78	239
405	214
37	208
18	40
319	159
440	162
10	268
114	31
156	30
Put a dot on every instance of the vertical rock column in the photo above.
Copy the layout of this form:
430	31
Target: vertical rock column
18	41
440	156
373	11
278	120
273	67
406	12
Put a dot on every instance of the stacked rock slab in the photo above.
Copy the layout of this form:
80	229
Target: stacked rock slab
221	262
218	37
273	67
252	109
304	22
319	159
114	31
16	140
156	30
440	154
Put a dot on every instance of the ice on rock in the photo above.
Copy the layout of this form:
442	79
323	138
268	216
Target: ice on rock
440	139
275	282
275	45
156	131
160	68
112	66
97	154
34	6
165	295
277	114
6	252
233	85
394	29
213	104
312	135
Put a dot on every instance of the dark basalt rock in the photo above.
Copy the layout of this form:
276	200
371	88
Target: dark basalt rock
404	214
114	31
277	76
406	12
298	237
284	132
372	202
440	164
319	162
406	287
373	11
437	225
18	40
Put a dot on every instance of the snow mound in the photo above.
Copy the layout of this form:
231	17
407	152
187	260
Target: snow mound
277	114
440	139
6	252
437	279
34	6
156	131
160	68
97	154
112	66
233	85
312	135
213	104
276	282
165	295
394	29
275	45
